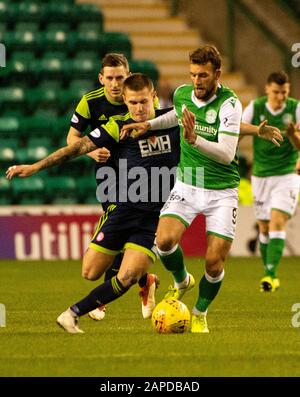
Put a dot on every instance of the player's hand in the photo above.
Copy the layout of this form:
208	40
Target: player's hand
134	129
22	171
269	133
100	155
291	130
188	122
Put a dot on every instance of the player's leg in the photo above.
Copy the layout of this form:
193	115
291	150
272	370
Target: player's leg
133	266
263	227
221	218
176	215
283	202
210	283
101	261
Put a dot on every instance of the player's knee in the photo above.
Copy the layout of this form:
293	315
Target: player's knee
214	265
165	242
128	279
88	274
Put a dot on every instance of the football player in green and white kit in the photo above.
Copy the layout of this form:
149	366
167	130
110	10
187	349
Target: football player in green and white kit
209	115
274	182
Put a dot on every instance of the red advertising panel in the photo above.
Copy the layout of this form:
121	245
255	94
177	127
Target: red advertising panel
34	237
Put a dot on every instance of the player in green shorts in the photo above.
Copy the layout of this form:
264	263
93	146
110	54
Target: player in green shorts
275	183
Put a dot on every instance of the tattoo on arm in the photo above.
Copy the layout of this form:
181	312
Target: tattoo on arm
83	146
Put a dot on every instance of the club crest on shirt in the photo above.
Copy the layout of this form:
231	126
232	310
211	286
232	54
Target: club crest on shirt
287	118
211	116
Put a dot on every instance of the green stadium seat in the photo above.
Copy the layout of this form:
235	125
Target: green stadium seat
9	125
7	158
90	26
19	70
4	11
44	141
12	143
24	40
27	27
117	42
58	11
59	187
28	191
58	26
86	12
40	123
12	98
83	68
42	97
86	187
31	154
27	11
86	41
48	68
5	191
144	66
53	40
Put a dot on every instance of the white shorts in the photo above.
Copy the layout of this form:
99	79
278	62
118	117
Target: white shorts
219	207
275	192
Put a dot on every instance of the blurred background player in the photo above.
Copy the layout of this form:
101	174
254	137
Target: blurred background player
274	181
95	108
130	224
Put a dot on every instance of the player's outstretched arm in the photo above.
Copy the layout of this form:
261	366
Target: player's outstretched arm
134	129
83	146
263	130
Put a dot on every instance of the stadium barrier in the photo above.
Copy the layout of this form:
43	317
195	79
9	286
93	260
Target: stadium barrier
64	232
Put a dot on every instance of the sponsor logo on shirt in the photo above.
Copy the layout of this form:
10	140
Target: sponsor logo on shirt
155	145
74	119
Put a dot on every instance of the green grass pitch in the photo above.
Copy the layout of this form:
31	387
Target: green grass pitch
251	333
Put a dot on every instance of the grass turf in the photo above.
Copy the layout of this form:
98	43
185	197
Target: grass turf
251	333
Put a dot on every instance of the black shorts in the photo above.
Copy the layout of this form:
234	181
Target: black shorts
122	227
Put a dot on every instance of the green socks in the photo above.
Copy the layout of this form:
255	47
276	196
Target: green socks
274	252
173	261
208	289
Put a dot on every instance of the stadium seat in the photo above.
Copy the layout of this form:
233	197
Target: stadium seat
90	26
83	68
144	66
40	123
60	188
86	12
27	27
12	98
19	70
12	143
31	154
9	125
48	68
86	41
24	40
53	40
117	42
42	97
86	187
44	141
26	11
7	157
58	11
28	191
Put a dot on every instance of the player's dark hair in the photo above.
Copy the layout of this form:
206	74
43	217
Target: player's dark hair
114	59
137	82
205	54
279	78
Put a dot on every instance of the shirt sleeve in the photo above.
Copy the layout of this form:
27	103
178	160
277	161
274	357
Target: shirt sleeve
106	135
248	113
230	117
81	117
167	120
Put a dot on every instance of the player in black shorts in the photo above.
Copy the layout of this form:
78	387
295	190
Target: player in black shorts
94	109
130	223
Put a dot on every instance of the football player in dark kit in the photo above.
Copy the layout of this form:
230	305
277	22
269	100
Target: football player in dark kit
94	109
129	224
